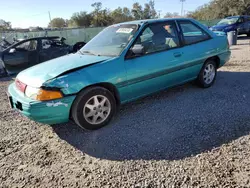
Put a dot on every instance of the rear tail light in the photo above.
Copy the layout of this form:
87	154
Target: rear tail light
20	86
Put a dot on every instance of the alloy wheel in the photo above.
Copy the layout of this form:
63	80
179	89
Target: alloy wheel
97	109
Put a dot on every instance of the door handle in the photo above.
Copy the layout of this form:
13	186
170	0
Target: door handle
177	54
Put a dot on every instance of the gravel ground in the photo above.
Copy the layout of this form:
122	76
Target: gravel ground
183	137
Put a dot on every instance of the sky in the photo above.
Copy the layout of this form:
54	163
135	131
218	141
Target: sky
26	13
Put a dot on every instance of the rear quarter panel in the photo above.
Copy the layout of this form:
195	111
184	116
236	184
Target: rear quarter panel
216	46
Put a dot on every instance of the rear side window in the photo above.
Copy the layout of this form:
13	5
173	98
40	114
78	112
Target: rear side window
192	33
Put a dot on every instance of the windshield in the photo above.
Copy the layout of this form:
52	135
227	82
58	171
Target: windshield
111	41
228	21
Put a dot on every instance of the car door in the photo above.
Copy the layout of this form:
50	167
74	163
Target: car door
157	66
247	25
197	47
242	25
20	56
51	49
45	51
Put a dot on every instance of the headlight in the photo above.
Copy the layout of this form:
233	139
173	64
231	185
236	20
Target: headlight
31	92
41	94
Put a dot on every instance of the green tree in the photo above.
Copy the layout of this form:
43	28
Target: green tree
4	25
57	22
220	9
100	17
137	11
121	15
80	19
149	11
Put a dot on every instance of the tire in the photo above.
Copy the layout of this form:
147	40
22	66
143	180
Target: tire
207	81
90	112
248	34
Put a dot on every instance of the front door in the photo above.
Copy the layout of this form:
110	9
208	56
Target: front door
20	56
156	67
242	25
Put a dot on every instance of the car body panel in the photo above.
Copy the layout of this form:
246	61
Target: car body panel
242	28
41	111
22	59
53	68
132	78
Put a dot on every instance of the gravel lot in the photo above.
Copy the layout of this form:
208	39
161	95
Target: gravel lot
183	137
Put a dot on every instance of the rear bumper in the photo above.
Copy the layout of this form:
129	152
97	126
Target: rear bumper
48	112
224	58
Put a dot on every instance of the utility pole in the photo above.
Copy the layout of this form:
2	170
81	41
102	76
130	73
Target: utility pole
182	2
159	13
49	16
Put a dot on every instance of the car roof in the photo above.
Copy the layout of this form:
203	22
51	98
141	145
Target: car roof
45	37
141	22
33	38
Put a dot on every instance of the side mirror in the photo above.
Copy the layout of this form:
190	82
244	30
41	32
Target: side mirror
138	49
12	50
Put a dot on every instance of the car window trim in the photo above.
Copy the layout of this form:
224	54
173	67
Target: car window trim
183	38
143	29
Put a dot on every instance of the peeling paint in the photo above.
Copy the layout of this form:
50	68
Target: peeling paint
52	104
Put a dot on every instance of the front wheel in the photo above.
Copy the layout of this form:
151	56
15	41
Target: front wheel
207	74
93	108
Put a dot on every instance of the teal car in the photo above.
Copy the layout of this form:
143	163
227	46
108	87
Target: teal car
122	63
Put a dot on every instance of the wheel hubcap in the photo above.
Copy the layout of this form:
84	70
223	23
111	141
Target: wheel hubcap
97	109
209	74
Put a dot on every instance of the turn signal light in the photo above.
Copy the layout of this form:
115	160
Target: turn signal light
45	95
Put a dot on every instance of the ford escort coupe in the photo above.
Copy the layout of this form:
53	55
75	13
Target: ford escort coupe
122	63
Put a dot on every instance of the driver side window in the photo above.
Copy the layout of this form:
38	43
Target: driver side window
158	37
241	20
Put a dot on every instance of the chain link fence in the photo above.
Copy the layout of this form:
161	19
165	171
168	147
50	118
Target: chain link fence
72	35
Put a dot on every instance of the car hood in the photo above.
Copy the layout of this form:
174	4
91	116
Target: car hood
221	27
37	75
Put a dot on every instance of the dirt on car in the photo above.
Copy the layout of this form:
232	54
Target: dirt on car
181	137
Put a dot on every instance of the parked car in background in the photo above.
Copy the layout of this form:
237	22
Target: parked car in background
122	63
234	23
28	52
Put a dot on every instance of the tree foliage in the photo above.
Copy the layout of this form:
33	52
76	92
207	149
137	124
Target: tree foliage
58	23
172	15
103	17
220	9
4	25
82	19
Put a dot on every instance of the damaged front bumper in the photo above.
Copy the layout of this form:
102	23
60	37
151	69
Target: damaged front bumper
47	112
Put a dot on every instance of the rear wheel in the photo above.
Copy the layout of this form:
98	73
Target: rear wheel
207	74
93	108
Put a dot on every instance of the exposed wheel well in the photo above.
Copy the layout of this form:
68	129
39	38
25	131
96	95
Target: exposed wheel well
216	59
109	87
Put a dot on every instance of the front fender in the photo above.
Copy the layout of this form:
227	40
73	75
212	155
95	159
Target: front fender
70	83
